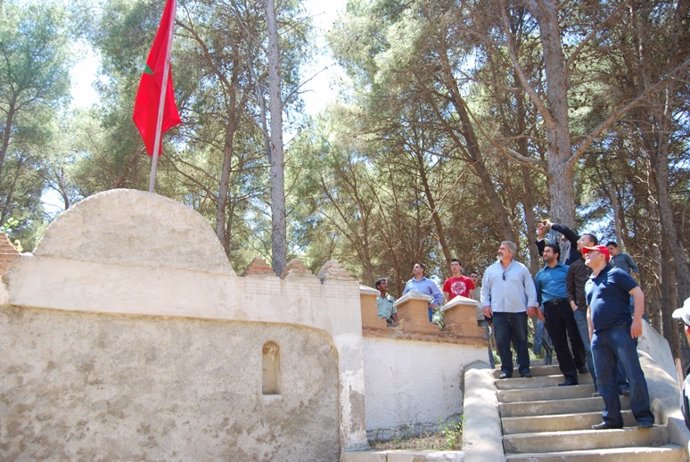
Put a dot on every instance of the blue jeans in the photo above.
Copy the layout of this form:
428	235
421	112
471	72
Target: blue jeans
581	320
489	332
542	340
583	329
611	347
512	328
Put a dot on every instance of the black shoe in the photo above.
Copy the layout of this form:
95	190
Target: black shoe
505	375
605	426
526	374
624	391
645	424
568	383
583	370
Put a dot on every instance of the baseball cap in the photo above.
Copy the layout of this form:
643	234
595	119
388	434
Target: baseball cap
683	313
600	248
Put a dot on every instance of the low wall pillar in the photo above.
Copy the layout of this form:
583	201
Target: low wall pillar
413	314
460	316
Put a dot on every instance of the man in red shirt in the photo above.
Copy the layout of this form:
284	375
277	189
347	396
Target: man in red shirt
457	284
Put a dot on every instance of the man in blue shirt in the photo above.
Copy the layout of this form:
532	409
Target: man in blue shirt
508	297
419	283
614	337
560	322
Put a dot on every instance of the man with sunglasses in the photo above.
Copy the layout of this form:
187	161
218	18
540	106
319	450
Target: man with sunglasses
614	337
508	297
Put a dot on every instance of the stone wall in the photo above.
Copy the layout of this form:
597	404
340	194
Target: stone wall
185	330
84	386
126	334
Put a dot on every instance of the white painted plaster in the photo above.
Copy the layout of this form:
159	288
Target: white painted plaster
413	383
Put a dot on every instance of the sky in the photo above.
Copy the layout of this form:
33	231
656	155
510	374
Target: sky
318	76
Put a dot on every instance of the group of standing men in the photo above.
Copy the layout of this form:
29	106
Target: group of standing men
456	285
585	304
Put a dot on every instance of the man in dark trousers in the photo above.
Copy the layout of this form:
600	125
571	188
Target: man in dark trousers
578	274
614	337
508	297
560	322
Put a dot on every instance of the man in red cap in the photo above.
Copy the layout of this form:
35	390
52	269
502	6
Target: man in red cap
614	337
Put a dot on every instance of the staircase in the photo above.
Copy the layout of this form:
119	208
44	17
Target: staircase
544	422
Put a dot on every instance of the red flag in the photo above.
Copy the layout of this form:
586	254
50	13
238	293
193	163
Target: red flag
148	99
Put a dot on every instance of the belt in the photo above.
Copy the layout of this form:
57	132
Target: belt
556	301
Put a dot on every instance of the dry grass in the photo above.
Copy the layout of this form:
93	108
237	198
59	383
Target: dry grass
425	442
448	439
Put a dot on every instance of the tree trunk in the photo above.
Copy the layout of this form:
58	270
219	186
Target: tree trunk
472	149
668	296
6	133
527	200
278	236
678	258
657	141
560	171
432	205
224	185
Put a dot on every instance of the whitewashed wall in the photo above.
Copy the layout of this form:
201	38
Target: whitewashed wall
413	386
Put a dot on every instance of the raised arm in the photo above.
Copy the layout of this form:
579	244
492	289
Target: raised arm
567	232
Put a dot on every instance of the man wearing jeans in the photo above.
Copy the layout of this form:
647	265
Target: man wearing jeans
508	297
614	337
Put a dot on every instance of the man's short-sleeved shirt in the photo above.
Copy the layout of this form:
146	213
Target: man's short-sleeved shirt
458	286
385	306
550	283
608	297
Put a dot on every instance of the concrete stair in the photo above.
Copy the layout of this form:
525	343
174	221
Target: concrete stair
544	422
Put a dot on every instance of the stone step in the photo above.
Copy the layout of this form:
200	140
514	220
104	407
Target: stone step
585	440
536	371
537	381
558	422
546	393
666	453
551	407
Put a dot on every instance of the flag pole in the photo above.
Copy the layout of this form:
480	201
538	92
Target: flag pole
161	102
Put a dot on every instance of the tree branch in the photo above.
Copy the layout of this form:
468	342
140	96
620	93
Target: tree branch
617	114
533	96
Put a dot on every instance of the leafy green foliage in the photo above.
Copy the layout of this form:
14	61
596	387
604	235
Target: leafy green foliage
34	82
